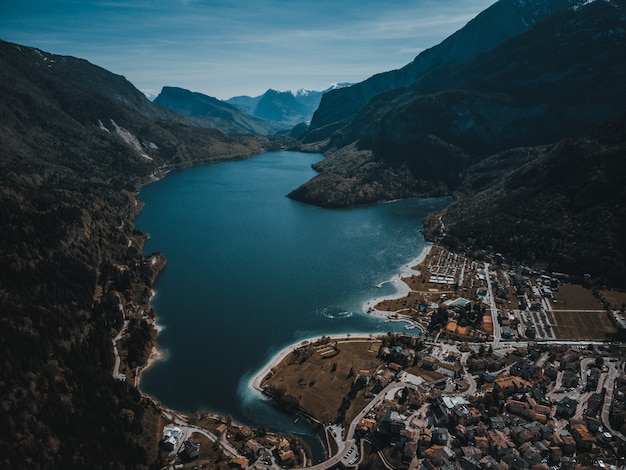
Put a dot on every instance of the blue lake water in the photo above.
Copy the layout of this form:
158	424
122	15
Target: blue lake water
250	272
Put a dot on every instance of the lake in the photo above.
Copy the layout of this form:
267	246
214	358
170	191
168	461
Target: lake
249	272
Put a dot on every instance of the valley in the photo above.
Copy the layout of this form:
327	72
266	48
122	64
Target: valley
279	333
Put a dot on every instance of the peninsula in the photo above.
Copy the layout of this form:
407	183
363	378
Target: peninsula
510	374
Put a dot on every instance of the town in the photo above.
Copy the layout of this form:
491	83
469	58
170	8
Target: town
510	369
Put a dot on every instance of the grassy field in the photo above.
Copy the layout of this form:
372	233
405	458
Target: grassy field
613	298
320	384
581	325
575	297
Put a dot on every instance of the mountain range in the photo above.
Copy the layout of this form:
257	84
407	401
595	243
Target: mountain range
554	80
288	107
272	113
210	112
501	21
461	127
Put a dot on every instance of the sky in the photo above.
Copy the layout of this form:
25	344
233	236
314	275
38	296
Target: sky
226	48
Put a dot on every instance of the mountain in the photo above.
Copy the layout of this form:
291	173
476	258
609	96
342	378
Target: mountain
207	111
286	107
552	81
280	107
501	21
76	143
563	208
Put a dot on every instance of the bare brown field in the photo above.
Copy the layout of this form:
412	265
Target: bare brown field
581	325
318	389
409	304
613	298
575	297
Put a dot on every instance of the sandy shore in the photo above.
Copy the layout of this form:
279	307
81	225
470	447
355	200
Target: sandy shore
402	288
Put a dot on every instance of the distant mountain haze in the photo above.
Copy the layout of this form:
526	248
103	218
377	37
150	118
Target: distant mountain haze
274	112
289	107
207	111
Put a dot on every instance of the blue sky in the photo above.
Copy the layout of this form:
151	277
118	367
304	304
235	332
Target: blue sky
228	48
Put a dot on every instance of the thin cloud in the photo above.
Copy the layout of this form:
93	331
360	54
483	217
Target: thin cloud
226	48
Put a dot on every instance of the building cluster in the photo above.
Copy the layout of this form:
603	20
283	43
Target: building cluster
513	422
174	441
279	453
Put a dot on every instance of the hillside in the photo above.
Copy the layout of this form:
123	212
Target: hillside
553	81
564	209
76	142
207	111
501	21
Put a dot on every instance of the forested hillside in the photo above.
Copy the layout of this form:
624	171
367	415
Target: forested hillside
76	142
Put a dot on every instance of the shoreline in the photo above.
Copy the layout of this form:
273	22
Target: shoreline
402	290
402	287
255	382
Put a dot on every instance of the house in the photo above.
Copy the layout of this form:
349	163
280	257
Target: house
410	451
530	453
593	378
496	422
393	423
253	448
429	363
191	451
286	456
519	408
570	379
367	425
239	461
470	463
584	439
439	437
566	408
221	429
499	443
510	385
506	332
171	438
439	412
565	442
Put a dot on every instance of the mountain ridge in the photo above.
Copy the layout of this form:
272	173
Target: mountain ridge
208	111
502	20
558	78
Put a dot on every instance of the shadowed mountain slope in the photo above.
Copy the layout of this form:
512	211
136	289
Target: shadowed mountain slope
564	209
503	20
76	142
553	81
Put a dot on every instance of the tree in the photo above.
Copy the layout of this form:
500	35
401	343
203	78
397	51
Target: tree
599	361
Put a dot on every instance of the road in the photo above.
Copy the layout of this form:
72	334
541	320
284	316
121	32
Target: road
116	367
349	442
497	334
608	397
